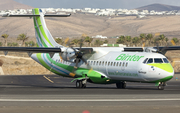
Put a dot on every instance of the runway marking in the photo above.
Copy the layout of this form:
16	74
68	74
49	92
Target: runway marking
86	100
48	79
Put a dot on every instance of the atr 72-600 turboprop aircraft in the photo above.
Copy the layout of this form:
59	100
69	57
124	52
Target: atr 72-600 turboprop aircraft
100	65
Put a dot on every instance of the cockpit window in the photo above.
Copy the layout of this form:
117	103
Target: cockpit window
150	61
145	61
165	60
158	60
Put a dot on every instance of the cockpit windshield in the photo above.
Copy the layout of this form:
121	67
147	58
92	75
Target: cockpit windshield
165	60
155	60
158	60
150	61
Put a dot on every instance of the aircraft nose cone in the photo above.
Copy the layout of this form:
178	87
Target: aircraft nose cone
168	68
169	71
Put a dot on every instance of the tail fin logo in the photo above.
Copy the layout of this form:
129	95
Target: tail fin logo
40	10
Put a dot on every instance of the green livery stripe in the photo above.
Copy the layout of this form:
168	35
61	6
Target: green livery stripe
37	45
41	27
37	30
45	65
66	67
164	66
162	80
36	11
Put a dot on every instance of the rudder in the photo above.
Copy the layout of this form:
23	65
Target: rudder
43	36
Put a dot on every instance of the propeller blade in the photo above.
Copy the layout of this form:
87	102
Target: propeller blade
84	60
74	49
66	55
66	41
88	66
157	45
81	43
173	43
77	61
76	65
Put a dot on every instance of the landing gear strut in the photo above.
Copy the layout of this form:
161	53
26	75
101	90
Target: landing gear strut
81	83
121	85
161	85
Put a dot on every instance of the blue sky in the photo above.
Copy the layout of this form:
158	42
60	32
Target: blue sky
127	4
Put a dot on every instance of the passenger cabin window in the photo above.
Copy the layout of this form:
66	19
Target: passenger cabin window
94	62
150	61
108	63
114	63
126	64
100	63
103	63
117	63
120	64
91	62
97	63
165	60
145	61
158	60
111	63
123	64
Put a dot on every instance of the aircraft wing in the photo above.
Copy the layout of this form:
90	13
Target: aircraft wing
31	50
164	49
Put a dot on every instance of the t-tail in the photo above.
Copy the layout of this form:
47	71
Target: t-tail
43	36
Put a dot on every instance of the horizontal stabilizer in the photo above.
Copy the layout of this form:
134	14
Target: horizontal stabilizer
47	15
31	50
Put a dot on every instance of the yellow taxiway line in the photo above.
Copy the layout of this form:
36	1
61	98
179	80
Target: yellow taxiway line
48	79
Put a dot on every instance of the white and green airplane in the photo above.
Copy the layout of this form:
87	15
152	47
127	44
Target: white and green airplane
99	65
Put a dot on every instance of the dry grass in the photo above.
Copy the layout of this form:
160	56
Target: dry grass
22	66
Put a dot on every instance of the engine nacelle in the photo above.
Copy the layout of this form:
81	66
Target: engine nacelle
150	49
67	54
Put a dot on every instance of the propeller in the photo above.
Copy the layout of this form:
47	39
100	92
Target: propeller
78	56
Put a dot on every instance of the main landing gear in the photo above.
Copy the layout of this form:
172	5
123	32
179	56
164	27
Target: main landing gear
161	85
121	85
81	83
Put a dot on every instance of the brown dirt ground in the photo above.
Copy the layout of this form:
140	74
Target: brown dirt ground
22	66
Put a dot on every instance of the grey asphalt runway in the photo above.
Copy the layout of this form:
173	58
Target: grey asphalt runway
55	94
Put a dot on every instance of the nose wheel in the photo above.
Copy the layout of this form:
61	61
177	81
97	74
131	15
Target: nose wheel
161	85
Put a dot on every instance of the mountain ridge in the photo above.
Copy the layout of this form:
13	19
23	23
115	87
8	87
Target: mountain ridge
159	7
11	4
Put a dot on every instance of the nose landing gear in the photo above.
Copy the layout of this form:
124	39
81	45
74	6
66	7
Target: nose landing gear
161	85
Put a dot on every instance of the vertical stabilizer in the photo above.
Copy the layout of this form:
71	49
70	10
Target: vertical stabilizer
43	36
